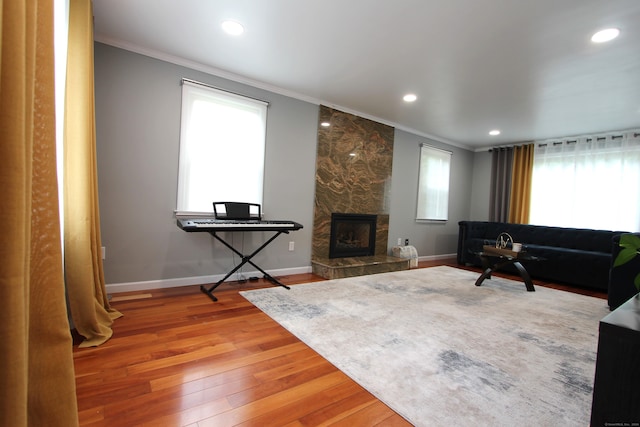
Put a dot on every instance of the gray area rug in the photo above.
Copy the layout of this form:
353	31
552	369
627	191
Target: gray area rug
441	351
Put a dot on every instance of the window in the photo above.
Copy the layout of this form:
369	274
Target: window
222	148
433	184
591	182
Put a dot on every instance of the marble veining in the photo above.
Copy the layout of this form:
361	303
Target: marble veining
353	175
338	268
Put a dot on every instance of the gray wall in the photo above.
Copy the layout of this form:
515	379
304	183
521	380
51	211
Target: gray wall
429	237
480	186
138	129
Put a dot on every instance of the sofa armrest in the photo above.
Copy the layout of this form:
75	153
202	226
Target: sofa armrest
621	278
462	236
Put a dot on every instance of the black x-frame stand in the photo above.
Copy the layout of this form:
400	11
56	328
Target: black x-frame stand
246	259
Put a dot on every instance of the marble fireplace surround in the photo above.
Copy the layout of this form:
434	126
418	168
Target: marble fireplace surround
353	175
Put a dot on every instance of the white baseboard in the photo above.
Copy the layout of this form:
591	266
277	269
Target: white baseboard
436	257
114	288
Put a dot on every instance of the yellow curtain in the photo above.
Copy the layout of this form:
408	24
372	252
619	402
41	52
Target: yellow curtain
520	201
36	376
90	310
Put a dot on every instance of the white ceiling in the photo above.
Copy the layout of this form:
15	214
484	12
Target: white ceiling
526	67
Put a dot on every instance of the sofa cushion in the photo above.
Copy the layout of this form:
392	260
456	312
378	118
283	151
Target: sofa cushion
572	266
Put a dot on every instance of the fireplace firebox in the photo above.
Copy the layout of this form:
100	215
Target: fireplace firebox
352	235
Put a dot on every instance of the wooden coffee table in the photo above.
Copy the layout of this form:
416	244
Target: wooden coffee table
492	262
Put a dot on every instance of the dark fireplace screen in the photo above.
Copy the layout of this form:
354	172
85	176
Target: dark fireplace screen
352	235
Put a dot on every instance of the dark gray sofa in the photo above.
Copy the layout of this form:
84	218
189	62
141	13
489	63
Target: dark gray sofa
574	256
621	278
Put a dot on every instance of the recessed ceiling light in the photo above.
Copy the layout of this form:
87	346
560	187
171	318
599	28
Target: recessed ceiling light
325	124
494	132
605	35
410	97
233	28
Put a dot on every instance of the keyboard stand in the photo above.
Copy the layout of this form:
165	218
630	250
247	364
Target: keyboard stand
245	260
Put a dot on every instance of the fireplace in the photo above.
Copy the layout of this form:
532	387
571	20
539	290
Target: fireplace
352	235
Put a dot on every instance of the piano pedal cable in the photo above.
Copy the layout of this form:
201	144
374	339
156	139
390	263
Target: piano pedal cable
240	277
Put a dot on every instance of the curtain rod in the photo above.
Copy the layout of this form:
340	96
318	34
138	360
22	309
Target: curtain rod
575	141
507	147
194	82
569	141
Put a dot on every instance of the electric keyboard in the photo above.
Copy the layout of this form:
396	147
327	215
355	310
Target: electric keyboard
213	224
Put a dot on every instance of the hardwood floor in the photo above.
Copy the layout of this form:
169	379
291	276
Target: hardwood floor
178	359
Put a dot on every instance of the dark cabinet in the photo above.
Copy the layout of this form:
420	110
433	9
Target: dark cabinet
616	390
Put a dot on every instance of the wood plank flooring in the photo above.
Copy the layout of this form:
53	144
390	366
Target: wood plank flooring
178	359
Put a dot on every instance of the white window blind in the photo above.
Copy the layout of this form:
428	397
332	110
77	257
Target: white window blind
222	148
433	184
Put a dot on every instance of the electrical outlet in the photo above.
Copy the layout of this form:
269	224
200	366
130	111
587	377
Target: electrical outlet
104	252
292	246
399	241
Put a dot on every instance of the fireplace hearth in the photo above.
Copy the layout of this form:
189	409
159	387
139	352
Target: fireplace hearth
352	235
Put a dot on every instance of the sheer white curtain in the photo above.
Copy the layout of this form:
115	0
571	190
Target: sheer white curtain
588	182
